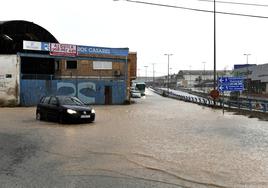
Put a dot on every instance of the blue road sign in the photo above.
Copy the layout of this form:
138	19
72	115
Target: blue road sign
229	80
223	88
230	84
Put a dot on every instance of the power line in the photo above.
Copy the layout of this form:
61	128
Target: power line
237	3
198	10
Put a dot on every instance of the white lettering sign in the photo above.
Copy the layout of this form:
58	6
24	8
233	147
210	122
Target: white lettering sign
92	50
31	45
62	49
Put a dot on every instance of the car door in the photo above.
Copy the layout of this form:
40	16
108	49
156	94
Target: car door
43	107
53	109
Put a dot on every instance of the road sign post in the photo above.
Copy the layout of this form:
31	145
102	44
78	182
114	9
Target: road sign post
230	84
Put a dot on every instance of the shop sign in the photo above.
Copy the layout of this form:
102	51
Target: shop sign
34	45
45	46
84	50
31	45
57	49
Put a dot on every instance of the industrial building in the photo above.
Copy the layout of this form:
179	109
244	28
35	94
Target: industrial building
34	64
256	78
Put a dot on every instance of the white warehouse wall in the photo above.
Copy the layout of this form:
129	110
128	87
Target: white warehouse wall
9	80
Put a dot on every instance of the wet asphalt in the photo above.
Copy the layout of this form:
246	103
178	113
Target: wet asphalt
155	142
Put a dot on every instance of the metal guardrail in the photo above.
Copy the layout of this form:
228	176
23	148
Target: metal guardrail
250	105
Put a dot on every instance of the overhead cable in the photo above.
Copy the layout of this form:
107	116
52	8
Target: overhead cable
198	10
237	3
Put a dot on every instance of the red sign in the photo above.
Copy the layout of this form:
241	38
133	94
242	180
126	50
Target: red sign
57	49
214	94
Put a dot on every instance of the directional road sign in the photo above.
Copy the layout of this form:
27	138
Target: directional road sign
230	80
230	84
231	88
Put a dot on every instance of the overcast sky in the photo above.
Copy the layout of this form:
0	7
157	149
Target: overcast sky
152	31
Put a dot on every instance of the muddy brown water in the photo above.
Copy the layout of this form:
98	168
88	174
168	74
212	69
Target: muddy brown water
155	142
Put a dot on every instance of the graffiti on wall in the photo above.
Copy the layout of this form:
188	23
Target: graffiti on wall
88	91
85	91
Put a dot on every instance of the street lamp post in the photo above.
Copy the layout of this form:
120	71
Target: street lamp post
146	73
247	75
203	76
153	73
190	76
139	72
168	70
204	70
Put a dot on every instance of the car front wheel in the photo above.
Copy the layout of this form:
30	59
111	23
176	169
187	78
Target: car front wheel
92	119
38	116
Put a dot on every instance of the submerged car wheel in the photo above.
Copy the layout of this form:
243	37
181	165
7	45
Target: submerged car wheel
92	119
38	116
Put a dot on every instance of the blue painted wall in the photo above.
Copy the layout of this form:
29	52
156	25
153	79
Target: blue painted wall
89	91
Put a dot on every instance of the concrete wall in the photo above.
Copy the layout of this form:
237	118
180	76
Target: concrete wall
9	80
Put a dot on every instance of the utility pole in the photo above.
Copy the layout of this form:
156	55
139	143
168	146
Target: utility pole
168	70
214	71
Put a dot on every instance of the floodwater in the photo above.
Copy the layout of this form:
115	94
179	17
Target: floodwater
155	142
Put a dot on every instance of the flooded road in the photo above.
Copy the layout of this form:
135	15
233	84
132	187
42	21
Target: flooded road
156	142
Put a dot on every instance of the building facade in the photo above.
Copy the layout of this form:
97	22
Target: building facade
31	68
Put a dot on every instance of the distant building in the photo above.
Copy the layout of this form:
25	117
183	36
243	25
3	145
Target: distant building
239	66
191	78
256	78
199	78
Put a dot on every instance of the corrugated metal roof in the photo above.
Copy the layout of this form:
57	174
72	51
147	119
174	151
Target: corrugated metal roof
12	34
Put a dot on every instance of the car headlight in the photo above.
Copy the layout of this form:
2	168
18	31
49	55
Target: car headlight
93	111
70	111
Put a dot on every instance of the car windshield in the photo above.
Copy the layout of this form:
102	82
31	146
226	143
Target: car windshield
71	101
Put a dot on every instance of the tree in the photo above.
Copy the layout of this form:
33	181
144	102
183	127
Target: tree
198	79
180	75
